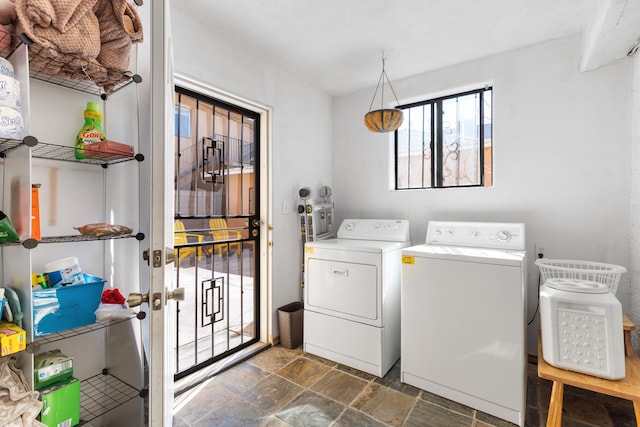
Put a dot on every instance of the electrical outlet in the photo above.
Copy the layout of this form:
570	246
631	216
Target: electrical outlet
539	251
286	207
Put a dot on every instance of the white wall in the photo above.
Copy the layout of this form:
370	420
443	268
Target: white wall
561	143
301	131
633	306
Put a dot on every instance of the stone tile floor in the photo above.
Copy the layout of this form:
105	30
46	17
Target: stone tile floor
283	387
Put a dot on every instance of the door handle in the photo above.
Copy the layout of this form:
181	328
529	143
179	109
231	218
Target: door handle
344	273
176	294
256	222
136	299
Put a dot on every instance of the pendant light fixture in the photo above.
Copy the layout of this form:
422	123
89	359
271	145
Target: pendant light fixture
384	119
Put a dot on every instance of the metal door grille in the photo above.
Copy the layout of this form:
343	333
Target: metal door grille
212	301
217	148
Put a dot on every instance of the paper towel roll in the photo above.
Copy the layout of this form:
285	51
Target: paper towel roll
11	125
10	92
6	68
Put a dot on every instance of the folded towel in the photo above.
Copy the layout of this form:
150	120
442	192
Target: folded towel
87	40
19	406
62	15
69	26
7	12
120	26
49	62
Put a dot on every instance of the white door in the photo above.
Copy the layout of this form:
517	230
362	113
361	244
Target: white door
161	216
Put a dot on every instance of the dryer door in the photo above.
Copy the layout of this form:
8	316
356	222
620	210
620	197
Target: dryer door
345	289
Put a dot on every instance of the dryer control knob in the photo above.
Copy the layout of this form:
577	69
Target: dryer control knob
503	236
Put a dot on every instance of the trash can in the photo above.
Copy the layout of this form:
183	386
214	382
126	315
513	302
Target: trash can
290	318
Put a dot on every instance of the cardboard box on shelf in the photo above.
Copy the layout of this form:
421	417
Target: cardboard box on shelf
108	150
51	367
12	339
61	403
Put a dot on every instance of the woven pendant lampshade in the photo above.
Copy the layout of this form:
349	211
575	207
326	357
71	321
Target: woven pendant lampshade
384	119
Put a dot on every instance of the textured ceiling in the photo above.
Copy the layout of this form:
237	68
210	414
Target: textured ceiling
336	45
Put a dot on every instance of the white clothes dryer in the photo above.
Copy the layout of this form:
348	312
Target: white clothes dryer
464	316
352	294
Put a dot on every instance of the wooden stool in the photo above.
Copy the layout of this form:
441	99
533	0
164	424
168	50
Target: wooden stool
626	388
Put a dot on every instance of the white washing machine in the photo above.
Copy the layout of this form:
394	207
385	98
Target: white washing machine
464	316
352	294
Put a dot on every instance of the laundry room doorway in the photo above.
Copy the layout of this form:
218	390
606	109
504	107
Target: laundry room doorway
217	229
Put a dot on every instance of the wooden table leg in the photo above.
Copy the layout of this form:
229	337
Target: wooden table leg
554	419
636	409
628	347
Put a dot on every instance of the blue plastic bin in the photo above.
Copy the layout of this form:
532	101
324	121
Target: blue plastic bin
65	307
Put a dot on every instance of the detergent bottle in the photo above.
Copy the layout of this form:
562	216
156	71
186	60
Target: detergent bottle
91	132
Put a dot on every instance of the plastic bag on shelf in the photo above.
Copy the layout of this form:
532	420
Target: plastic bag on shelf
102	229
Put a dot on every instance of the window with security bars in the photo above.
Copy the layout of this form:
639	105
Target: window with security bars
445	142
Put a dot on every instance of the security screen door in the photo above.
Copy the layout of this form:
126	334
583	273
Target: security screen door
216	229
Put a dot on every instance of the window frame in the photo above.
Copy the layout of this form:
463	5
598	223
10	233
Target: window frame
437	138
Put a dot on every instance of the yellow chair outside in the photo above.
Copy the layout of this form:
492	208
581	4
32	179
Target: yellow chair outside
181	237
220	231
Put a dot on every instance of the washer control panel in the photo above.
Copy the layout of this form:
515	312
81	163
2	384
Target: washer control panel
496	235
393	230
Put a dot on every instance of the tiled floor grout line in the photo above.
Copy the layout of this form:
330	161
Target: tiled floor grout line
585	409
369	382
334	367
415	403
331	368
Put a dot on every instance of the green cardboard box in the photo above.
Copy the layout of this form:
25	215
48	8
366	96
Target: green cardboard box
61	403
51	367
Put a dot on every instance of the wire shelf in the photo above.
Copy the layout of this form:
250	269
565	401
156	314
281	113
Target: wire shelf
50	66
33	243
48	151
63	335
7	145
102	393
65	153
80	238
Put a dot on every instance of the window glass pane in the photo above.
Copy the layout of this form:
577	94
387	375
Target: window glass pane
185	156
426	146
446	142
234	164
461	141
414	148
202	184
402	153
182	117
248	158
488	135
220	124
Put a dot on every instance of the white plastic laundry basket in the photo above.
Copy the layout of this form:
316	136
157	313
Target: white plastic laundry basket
607	274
